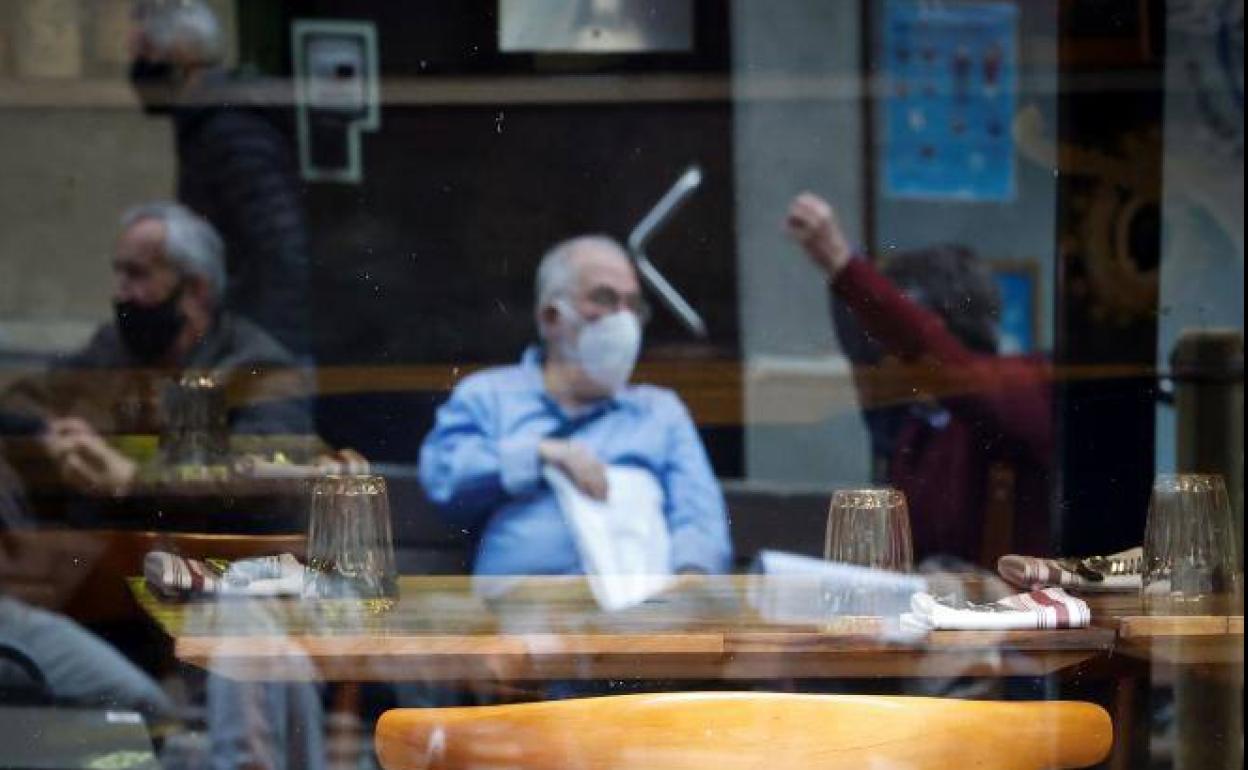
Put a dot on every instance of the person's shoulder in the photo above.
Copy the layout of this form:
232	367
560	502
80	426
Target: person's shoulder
490	379
656	400
236	126
247	342
104	349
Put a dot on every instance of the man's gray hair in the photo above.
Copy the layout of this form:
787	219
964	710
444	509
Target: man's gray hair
187	24
556	275
191	243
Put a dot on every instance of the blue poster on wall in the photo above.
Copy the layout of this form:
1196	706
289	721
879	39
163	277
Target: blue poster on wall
950	75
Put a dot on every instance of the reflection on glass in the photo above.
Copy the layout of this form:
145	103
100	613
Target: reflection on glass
194	431
350	548
1190	550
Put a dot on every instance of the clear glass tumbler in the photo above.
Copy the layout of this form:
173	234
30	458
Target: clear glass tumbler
194	431
1191	554
868	529
350	546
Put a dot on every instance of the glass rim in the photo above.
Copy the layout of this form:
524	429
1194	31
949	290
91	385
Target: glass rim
1189	481
346	483
868	497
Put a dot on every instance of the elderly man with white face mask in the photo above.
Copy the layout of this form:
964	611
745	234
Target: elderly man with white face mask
568	405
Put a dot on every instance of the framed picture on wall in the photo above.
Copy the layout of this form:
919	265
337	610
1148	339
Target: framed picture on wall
1018	282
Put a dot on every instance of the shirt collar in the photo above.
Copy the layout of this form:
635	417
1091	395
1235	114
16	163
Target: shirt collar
531	362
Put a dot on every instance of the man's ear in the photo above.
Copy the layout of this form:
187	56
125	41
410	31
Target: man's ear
548	315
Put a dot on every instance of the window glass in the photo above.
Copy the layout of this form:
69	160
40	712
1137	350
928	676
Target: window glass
874	364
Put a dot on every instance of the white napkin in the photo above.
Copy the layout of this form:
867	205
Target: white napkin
173	575
1047	608
623	541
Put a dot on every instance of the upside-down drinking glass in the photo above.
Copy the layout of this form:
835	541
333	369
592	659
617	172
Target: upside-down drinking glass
869	528
194	433
1191	557
350	548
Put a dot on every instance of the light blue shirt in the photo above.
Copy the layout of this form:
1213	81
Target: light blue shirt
480	466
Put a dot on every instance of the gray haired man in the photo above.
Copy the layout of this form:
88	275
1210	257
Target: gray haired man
169	277
236	167
569	405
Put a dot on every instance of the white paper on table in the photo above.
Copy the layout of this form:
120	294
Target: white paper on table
623	541
803	589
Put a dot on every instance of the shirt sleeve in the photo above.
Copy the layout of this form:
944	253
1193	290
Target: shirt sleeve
696	515
1009	393
466	469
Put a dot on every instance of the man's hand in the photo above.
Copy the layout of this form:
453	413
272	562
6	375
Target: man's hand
575	459
85	460
813	223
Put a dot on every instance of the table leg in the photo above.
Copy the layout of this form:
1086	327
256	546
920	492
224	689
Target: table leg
1209	720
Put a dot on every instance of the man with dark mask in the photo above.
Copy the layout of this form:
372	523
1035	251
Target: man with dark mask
966	433
235	165
168	277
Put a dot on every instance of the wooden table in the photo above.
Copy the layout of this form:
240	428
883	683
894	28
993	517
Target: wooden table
550	629
705	628
545	629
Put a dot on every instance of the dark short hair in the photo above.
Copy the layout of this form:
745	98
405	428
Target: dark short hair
951	281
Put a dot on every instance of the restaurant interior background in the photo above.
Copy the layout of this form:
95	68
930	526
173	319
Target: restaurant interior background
1113	219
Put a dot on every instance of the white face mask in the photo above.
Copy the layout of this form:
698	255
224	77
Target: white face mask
606	349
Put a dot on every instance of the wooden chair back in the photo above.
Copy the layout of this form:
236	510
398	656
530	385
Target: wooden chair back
734	731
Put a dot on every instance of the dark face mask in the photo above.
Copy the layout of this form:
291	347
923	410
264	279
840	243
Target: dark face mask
155	83
149	331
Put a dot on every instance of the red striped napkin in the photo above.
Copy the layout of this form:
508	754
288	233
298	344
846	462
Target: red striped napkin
1117	572
1046	608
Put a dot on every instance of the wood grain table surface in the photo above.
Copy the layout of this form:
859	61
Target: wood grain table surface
705	628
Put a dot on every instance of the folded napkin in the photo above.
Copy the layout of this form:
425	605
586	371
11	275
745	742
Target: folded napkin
623	541
1116	572
1046	608
171	575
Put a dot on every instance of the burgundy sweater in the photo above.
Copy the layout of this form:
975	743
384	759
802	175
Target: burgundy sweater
999	424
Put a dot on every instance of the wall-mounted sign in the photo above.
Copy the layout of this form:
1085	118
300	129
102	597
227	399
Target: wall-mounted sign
337	90
951	76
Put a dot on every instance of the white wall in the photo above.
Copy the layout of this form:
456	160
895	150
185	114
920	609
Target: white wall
797	126
68	175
